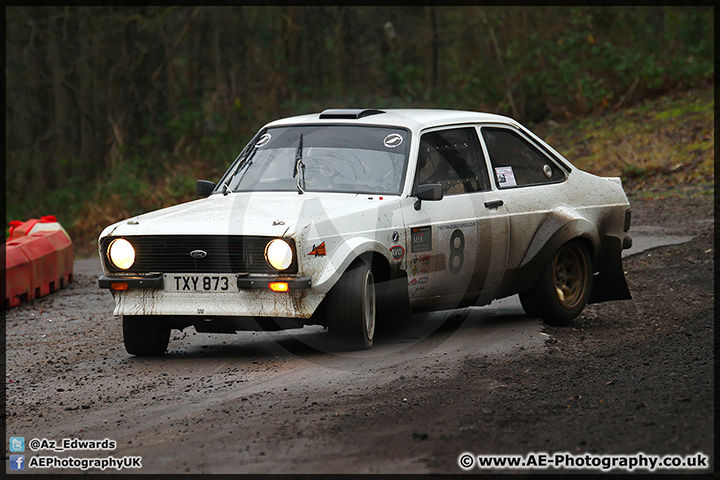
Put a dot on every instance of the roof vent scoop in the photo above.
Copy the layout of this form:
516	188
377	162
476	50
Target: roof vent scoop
349	113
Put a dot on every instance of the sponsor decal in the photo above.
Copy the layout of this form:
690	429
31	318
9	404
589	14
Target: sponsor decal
318	251
421	264
505	176
263	140
421	239
413	282
395	237
454	226
423	280
397	251
393	140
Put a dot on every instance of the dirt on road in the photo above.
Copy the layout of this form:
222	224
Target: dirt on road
628	377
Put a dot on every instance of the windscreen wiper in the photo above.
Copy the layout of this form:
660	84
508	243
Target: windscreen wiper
299	165
243	165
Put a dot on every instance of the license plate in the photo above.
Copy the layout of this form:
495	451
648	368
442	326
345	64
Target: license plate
200	283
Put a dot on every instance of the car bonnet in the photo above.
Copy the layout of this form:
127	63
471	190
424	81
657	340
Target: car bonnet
256	213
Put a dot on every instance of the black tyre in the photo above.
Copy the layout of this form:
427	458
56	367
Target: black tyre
351	307
563	289
145	335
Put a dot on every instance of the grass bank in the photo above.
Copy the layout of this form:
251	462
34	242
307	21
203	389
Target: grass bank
660	147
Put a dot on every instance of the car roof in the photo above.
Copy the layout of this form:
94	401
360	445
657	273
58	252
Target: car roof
414	119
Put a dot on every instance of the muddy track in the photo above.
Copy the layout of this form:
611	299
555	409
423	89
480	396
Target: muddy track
628	377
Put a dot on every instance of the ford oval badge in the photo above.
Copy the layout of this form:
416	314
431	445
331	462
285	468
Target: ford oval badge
198	254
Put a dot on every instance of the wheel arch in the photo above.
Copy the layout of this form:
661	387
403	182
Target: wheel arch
383	272
558	228
349	251
346	255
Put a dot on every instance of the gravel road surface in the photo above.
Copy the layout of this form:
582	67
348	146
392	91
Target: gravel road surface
628	377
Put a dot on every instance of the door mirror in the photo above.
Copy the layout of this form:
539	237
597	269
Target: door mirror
431	191
204	188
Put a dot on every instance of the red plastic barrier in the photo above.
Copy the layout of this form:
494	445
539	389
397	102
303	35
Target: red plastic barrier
18	275
43	263
20	229
64	248
13	225
39	259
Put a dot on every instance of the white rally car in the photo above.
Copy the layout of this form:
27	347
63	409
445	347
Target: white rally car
355	218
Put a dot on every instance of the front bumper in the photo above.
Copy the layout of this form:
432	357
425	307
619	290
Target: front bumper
146	295
245	303
155	281
253	282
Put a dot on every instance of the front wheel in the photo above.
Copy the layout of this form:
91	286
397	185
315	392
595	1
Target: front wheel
351	307
563	289
145	335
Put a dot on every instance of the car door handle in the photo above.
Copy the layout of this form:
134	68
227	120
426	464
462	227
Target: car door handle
494	204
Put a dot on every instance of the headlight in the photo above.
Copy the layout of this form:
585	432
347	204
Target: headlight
121	253
279	254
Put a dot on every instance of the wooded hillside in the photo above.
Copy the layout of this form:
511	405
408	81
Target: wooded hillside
124	106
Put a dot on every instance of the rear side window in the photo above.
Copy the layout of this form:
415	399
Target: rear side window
517	162
454	159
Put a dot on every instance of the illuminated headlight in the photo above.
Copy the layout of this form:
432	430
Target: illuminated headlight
279	254
121	253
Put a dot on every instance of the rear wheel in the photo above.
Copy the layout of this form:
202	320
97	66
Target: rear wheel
145	335
563	289
351	307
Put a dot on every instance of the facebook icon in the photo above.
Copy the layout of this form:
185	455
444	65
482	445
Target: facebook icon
17	462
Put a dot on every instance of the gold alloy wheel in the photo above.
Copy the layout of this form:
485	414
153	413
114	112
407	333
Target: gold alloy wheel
570	273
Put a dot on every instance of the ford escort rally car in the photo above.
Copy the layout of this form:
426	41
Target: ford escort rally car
357	218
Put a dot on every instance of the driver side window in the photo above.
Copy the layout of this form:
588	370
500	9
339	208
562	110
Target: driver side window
454	159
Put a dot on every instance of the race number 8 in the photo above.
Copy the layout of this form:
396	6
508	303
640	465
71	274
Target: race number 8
457	258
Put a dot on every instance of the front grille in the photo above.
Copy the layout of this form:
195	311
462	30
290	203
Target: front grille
225	254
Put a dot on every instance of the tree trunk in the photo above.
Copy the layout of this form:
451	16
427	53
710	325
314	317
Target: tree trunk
56	174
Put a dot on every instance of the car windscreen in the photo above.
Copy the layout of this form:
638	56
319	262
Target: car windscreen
322	158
